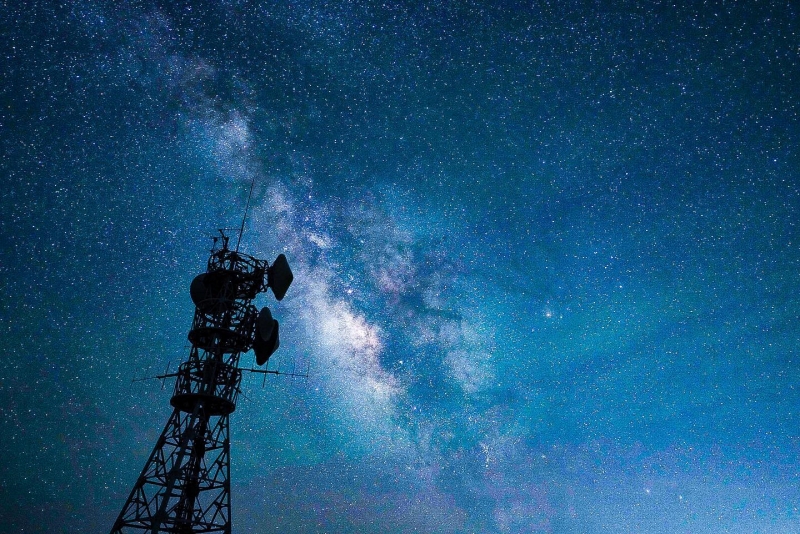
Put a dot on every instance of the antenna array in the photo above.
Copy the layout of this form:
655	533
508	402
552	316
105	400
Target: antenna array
185	484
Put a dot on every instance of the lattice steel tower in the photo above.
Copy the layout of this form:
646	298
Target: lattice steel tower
185	484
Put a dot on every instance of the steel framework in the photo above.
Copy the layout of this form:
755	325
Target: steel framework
185	484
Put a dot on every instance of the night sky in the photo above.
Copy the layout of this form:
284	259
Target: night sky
546	259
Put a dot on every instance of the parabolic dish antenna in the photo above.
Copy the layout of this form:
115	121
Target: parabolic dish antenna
265	323
266	340
279	277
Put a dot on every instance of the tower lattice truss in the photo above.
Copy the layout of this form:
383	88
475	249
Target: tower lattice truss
185	484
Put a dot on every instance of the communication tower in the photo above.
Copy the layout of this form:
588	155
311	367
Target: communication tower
185	484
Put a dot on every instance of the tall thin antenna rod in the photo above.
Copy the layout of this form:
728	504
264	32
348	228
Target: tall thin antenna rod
247	207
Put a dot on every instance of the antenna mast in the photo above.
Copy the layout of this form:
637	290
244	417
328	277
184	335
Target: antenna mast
246	207
184	487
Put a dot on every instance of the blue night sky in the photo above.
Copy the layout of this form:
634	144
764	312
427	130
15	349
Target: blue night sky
546	259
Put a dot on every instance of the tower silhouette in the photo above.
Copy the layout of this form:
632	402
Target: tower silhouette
185	484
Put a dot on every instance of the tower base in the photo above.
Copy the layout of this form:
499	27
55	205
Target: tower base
185	484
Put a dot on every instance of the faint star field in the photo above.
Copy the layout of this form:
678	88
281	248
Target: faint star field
546	259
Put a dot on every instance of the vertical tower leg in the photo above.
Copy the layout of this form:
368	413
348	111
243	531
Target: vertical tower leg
185	484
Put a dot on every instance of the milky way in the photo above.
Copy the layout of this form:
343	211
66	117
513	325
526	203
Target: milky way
546	259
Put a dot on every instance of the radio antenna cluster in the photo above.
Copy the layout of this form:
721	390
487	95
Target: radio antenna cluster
184	486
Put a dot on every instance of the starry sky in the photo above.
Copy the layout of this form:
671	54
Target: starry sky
546	259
